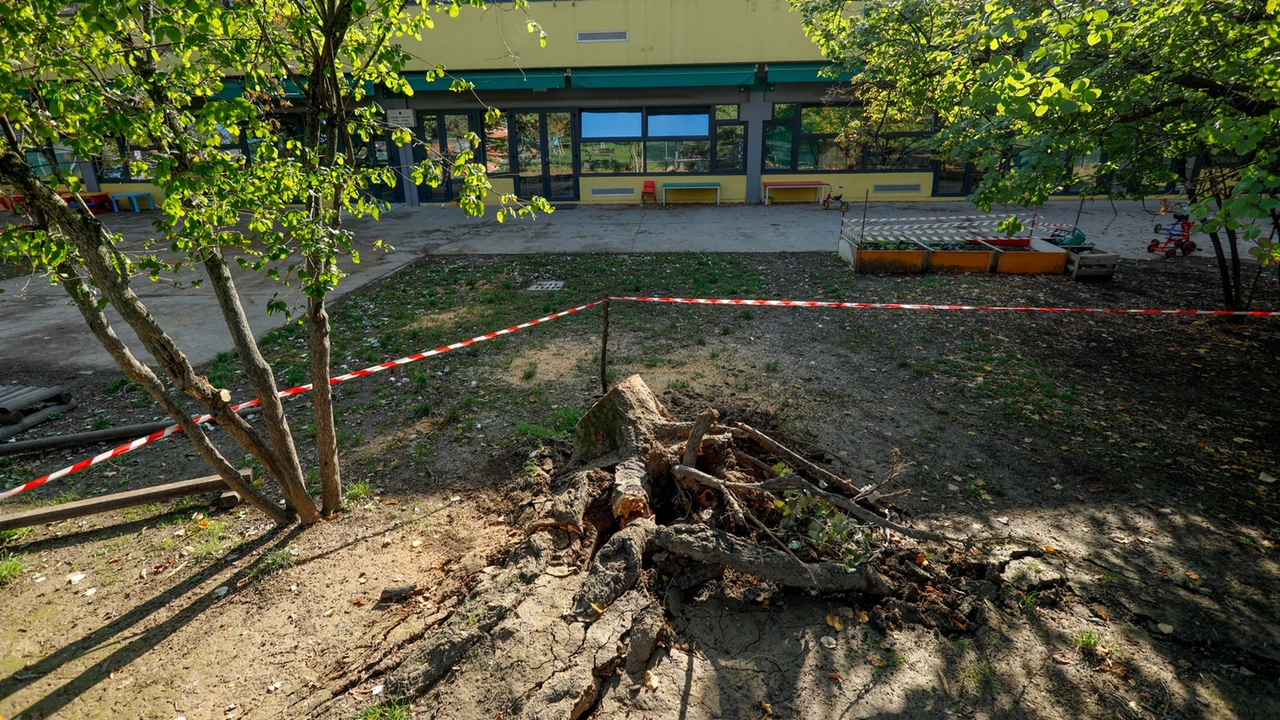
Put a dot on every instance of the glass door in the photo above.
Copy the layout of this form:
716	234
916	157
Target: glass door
545	155
441	137
561	183
528	129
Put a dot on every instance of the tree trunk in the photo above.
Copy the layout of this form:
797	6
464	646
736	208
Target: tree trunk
262	380
322	399
144	377
105	266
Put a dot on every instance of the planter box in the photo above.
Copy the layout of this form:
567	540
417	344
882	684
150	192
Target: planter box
890	261
962	261
1045	258
1086	265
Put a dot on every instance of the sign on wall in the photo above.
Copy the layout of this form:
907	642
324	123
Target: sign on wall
400	118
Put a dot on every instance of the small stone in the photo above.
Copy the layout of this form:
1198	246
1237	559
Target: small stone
827	641
1165	628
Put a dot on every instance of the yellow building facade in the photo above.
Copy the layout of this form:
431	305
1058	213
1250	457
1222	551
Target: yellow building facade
632	101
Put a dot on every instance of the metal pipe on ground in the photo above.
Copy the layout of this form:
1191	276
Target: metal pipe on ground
32	420
33	396
125	432
116	501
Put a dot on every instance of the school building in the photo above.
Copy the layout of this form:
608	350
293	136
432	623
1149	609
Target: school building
702	101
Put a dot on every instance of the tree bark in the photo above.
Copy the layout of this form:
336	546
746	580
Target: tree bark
322	399
144	377
263	381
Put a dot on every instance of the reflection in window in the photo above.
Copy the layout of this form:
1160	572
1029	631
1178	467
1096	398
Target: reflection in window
777	147
726	112
678	124
497	151
899	153
666	156
827	154
784	111
612	157
610	124
824	119
111	166
731	147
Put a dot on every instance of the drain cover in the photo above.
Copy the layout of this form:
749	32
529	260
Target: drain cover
546	285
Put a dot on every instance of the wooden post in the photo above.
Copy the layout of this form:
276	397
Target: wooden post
604	347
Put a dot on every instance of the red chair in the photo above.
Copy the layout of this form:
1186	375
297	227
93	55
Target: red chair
650	191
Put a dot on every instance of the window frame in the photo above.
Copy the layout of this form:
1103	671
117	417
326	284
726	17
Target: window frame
798	135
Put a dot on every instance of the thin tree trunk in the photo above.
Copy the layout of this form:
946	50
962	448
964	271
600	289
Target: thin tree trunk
322	399
144	377
260	377
105	267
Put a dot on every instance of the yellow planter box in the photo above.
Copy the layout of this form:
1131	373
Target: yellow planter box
891	261
961	261
1043	259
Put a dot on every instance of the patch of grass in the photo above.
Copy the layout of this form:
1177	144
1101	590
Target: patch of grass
387	710
420	411
771	366
271	563
678	385
102	422
115	385
11	566
1087	641
358	491
530	371
13	535
1030	603
979	676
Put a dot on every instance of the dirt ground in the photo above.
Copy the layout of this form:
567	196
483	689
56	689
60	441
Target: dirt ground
1118	472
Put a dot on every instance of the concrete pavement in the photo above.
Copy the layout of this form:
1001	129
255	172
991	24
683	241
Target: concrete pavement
38	325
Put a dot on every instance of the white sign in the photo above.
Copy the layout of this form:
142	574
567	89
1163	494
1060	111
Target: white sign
400	118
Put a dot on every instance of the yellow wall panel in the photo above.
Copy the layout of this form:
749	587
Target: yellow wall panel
661	32
856	186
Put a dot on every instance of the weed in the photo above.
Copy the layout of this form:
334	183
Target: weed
116	385
979	676
388	710
700	340
1087	641
420	411
714	354
13	535
746	314
973	491
421	378
678	385
11	566
272	562
530	371
102	422
780	469
358	491
771	366
1030	603
725	330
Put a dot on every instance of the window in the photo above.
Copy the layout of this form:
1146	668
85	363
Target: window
662	140
610	124
120	162
777	146
612	157
497	148
807	138
678	124
731	146
678	156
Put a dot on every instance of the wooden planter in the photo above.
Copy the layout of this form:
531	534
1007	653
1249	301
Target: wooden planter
962	261
890	261
1045	258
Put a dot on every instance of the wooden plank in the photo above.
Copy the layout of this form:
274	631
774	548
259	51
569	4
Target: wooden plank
35	419
116	501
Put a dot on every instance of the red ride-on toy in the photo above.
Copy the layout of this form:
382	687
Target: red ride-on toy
1177	237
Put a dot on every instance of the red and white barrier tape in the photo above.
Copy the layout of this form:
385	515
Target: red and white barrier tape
172	429
901	306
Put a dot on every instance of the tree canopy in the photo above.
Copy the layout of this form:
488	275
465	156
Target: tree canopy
1127	98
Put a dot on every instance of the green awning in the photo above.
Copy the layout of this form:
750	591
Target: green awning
492	80
802	73
232	89
657	77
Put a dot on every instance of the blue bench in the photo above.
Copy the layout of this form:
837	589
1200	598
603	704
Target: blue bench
133	200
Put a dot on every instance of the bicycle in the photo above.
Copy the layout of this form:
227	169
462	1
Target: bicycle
826	201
